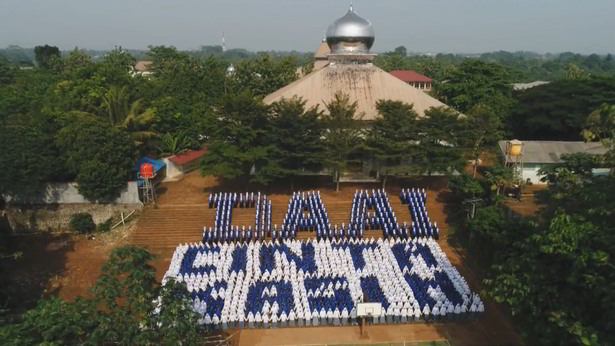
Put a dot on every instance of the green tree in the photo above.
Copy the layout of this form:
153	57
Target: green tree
115	68
440	134
101	156
29	156
116	103
7	75
392	138
45	55
343	134
499	178
173	145
307	68
475	82
574	72
391	61
558	281
132	117
77	59
483	127
129	308
600	125
465	186
402	51
242	142
298	137
559	110
264	75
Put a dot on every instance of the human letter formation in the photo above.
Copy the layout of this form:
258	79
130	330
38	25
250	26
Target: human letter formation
306	212
320	282
224	230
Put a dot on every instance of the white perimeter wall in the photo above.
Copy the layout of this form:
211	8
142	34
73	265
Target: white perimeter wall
531	171
173	171
67	193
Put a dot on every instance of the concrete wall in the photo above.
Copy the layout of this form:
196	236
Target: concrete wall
56	217
67	193
175	171
530	170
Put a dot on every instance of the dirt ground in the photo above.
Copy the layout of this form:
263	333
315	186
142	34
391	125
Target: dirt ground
61	264
69	265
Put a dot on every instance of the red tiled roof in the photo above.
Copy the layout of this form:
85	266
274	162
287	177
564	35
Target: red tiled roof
143	65
410	76
187	157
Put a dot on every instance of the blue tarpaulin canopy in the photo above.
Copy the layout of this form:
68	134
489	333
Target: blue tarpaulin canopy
158	165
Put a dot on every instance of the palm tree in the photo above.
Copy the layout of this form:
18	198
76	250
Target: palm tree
172	145
131	117
138	122
116	103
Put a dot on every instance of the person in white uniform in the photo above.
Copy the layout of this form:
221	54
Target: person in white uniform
250	320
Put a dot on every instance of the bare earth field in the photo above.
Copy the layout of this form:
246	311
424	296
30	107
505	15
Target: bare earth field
69	265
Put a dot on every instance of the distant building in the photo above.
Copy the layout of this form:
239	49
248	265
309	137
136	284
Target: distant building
539	154
142	68
413	78
525	86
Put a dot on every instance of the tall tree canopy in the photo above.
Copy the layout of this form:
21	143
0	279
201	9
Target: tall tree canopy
128	308
558	111
29	157
243	142
482	128
558	279
474	82
45	55
440	138
100	155
298	137
264	75
393	138
343	136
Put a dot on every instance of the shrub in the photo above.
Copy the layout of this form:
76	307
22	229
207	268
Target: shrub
82	223
105	226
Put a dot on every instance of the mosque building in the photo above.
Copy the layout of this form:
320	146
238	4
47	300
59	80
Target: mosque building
343	63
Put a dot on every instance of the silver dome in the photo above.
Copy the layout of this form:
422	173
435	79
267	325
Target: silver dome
350	34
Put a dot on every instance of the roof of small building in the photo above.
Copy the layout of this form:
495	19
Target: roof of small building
410	76
143	65
322	51
550	151
365	84
187	157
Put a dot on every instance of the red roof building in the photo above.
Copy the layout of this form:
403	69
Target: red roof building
178	165
413	78
142	66
187	157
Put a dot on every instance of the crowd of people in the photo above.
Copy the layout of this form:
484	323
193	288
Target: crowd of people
417	205
225	231
307	213
320	282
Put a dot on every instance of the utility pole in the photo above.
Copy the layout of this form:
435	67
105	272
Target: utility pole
470	215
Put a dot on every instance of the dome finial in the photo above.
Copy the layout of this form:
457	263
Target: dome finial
350	34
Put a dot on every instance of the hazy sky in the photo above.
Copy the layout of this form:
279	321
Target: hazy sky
461	26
